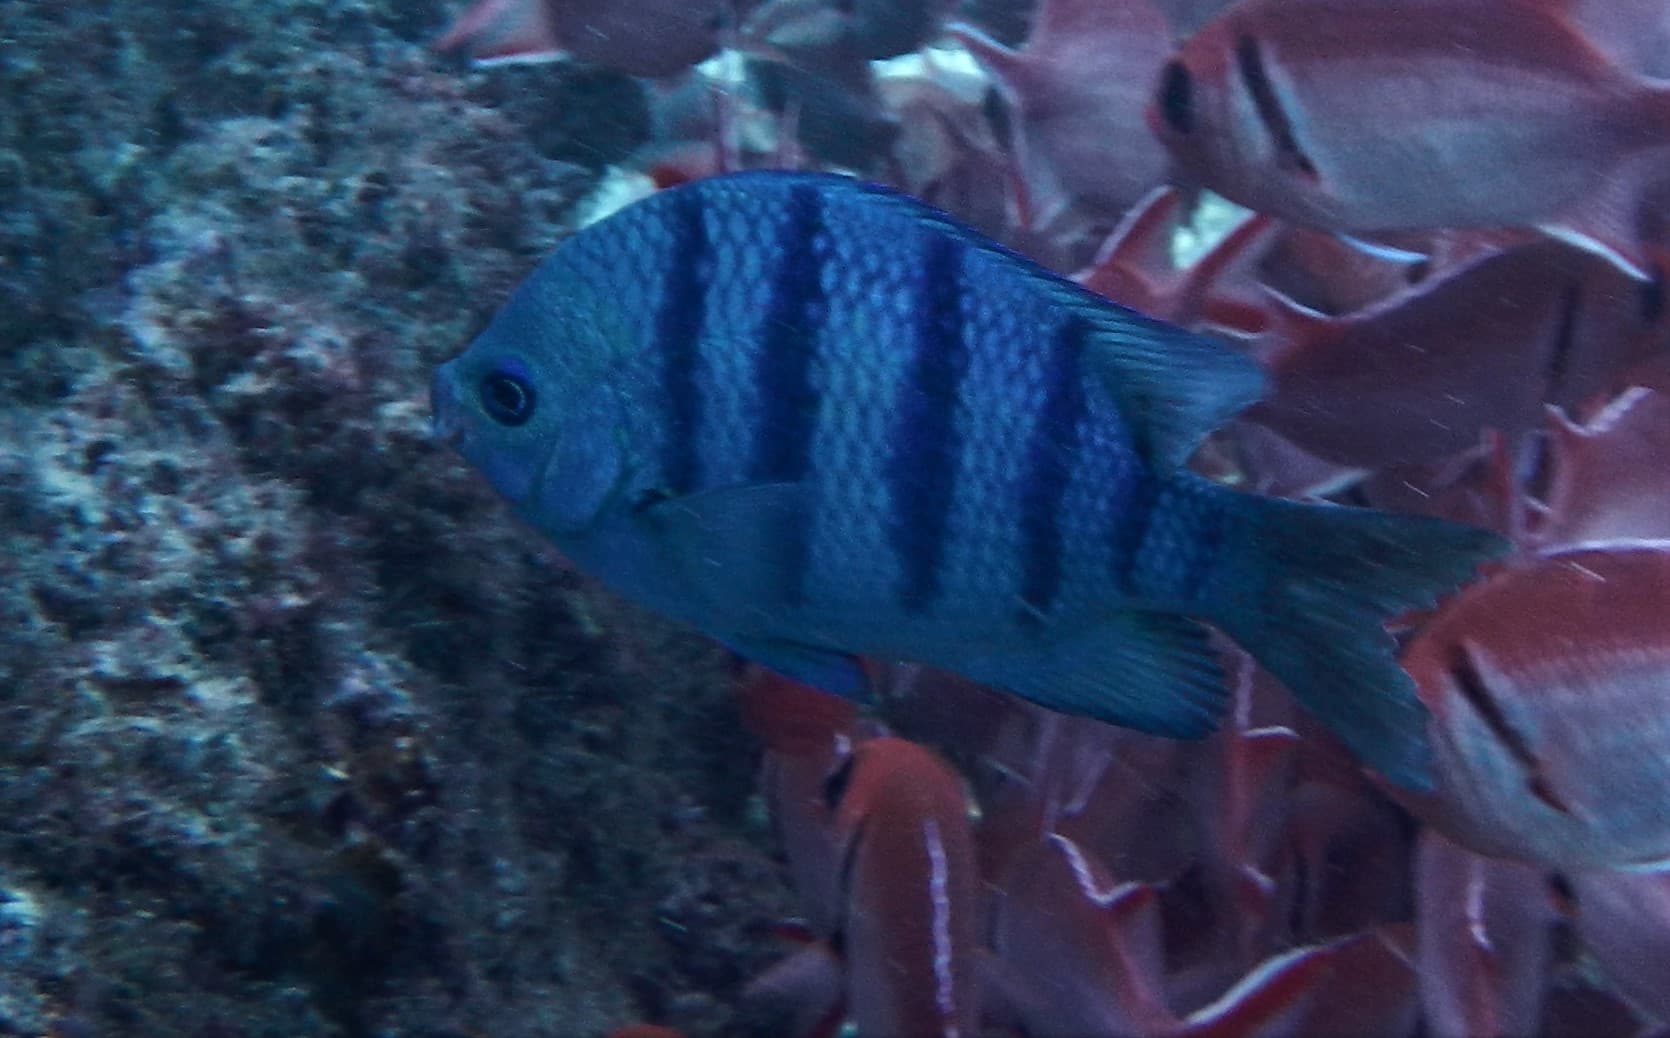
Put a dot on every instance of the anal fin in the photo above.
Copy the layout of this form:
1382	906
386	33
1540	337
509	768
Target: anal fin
823	669
1606	224
1154	672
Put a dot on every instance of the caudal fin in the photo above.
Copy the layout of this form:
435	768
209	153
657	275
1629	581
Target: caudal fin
1310	599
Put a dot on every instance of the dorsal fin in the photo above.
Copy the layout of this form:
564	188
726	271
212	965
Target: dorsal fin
1172	385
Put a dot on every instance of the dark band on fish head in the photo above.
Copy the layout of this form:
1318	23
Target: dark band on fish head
1249	61
1050	460
788	346
926	447
679	317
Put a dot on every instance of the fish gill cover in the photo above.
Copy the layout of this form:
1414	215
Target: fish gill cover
307	737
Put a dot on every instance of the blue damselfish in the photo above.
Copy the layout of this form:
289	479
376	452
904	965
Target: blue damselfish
818	420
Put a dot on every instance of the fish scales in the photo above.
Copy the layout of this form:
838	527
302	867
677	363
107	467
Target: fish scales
666	299
921	471
1051	457
864	356
680	320
999	415
736	303
818	419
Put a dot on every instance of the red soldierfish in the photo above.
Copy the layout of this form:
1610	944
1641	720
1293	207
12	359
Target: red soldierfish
638	37
1417	376
881	849
910	894
1076	92
1358	115
1551	709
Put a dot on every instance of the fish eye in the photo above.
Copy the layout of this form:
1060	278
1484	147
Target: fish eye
1177	97
507	398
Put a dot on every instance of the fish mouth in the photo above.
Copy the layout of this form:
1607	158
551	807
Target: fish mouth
443	407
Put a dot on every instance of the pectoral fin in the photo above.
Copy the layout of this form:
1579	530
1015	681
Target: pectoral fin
741	544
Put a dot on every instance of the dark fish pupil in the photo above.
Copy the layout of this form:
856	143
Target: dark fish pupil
1177	98
835	786
1652	296
506	398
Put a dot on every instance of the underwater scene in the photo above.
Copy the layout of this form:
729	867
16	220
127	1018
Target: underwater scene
835	518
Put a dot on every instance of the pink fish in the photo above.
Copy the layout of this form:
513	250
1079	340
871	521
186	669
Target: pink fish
1634	32
1481	343
1610	478
1359	116
1550	709
1134	268
868	29
909	930
1080	954
808	736
881	850
1483	941
1076	92
1624	920
638	37
1601	479
1243	797
946	154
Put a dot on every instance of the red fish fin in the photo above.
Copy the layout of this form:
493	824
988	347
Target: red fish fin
1371	989
1606	223
1484	946
1606	482
504	31
1133	265
1267	1001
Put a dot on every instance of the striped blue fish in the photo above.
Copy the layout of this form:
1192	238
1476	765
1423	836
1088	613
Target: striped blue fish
819	420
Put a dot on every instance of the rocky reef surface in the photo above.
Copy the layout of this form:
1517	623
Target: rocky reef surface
303	735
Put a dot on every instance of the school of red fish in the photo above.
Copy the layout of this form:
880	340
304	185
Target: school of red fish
1448	247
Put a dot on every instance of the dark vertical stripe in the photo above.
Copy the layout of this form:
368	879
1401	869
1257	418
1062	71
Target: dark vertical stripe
783	444
1205	536
1249	58
923	466
1130	523
1565	338
783	370
1055	442
678	328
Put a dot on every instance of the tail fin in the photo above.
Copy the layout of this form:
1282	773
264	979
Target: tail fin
1309	597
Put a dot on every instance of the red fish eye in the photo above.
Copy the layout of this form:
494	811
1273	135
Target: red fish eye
508	399
1177	97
